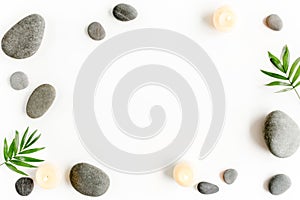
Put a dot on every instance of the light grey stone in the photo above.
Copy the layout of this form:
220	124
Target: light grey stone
96	31
19	81
279	184
24	186
230	176
207	188
274	22
124	12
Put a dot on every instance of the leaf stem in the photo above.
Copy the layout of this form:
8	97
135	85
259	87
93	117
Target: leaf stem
2	163
295	89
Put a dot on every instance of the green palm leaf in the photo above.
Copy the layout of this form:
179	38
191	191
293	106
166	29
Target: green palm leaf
28	159
284	90
22	164
294	65
16	143
30	138
32	142
5	150
285	58
23	140
276	62
296	75
274	75
278	83
13	168
11	149
29	151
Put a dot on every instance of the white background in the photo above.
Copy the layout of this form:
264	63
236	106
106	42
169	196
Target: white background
238	55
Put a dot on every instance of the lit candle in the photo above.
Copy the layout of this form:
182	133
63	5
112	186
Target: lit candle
47	176
224	19
183	174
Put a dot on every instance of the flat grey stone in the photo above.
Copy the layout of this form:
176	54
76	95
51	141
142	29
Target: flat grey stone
24	39
274	22
207	188
124	12
40	100
230	176
96	31
281	134
279	184
24	186
19	81
89	180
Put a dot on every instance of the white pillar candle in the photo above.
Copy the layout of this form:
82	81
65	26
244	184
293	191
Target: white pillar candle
47	176
224	19
183	174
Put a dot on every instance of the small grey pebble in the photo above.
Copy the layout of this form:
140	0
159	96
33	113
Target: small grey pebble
124	12
24	186
281	134
96	31
19	81
230	176
279	184
274	22
207	188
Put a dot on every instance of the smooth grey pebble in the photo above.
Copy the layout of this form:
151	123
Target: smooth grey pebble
89	180
24	39
274	22
281	134
207	188
279	184
96	31
124	12
19	81
24	186
230	176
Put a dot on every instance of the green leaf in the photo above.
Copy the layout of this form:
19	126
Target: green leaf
16	143
284	90
296	75
285	58
23	139
11	149
278	83
294	65
30	138
13	168
29	151
274	75
5	150
276	62
33	141
28	159
22	164
297	84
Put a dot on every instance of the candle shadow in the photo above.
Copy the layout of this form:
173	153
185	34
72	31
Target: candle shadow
67	176
207	18
169	172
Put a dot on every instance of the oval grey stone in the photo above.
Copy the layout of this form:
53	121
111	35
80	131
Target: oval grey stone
124	12
230	176
40	100
281	134
89	180
24	39
24	186
19	81
279	184
274	22
207	188
96	31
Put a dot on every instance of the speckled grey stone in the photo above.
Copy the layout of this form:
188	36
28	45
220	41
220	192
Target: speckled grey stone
282	134
40	100
279	184
274	22
230	176
24	39
124	12
24	186
89	180
207	188
19	81
96	31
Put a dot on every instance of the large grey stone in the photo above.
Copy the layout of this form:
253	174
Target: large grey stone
40	100
24	39
282	134
124	12
96	31
274	22
24	186
279	184
19	81
89	180
230	176
207	188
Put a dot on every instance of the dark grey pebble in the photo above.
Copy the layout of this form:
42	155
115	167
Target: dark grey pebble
40	100
274	22
279	184
24	39
124	12
207	188
89	180
96	31
230	176
24	186
281	134
19	81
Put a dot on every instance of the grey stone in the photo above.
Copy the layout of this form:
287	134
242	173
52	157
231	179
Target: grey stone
124	12
19	81
24	186
40	100
207	188
274	22
230	176
279	184
89	180
24	39
281	134
96	31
